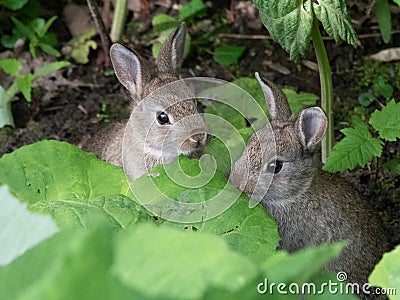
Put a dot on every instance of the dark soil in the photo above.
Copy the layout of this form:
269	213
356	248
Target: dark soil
72	114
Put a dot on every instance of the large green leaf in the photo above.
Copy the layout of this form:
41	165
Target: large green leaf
20	228
387	273
387	121
250	231
289	23
69	265
72	185
170	261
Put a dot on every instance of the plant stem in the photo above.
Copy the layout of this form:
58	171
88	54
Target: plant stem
118	23
325	78
6	117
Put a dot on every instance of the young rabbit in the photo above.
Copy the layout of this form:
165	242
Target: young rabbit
311	207
157	130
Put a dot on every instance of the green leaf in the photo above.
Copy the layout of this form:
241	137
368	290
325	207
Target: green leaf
382	87
387	273
382	11
11	66
49	49
24	84
228	55
23	29
194	8
387	121
393	165
69	265
300	266
116	210
357	148
164	25
47	25
204	262
250	231
365	99
163	22
21	229
335	19
52	67
8	41
81	45
50	171
298	101
289	23
13	4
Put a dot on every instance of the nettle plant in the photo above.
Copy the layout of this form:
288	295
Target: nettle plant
362	144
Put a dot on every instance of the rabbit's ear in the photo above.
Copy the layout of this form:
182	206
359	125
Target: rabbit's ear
128	67
311	125
170	57
278	106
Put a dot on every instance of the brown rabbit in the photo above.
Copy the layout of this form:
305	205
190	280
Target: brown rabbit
157	131
311	207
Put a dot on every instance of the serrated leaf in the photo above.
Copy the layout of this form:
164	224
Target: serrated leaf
20	229
289	23
387	121
192	9
228	55
11	66
357	148
384	17
335	19
24	84
386	273
204	261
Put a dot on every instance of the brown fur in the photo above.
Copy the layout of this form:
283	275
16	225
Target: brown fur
311	207
143	142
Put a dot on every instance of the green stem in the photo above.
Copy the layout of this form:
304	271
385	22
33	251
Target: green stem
118	23
6	117
325	78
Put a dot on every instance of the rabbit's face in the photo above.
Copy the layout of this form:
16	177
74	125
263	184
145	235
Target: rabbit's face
278	168
168	125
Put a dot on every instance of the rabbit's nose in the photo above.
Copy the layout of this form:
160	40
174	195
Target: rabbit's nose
199	138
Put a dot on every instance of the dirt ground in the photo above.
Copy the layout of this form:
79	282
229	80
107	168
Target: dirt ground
71	111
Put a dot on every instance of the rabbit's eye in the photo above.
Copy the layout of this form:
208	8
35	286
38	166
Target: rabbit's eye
275	166
162	118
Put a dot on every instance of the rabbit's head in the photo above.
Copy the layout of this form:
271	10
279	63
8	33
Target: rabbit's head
277	165
165	113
